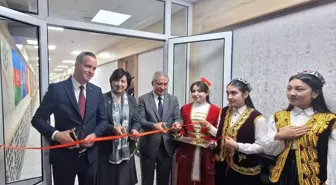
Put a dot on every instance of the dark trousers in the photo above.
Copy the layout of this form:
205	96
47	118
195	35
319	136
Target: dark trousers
163	163
66	174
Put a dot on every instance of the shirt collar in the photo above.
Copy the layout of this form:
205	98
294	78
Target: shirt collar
76	84
156	96
309	111
240	110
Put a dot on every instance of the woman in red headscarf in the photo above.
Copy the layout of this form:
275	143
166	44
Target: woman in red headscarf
194	156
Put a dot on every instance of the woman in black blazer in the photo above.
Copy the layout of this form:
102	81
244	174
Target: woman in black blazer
116	165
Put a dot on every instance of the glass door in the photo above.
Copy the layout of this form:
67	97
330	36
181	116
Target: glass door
193	57
24	80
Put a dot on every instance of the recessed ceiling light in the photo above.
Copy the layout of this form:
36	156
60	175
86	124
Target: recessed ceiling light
51	47
55	28
19	46
108	17
75	52
32	42
105	55
62	66
68	61
58	69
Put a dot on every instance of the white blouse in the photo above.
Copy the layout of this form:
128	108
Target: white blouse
200	112
259	132
299	117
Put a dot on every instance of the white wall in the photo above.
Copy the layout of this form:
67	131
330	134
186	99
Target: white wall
148	64
102	75
269	52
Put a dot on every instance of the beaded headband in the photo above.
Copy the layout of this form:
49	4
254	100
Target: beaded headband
315	73
244	81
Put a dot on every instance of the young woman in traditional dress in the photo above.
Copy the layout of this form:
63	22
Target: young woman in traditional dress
195	162
239	130
300	135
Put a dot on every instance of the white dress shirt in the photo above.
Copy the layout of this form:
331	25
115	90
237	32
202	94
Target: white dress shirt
156	99
76	86
259	132
300	117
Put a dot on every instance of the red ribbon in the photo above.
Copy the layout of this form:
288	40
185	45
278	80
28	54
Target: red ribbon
94	140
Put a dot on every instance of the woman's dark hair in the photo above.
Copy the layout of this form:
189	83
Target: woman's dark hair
318	104
119	73
243	87
203	87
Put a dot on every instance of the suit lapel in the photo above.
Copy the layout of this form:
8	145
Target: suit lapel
152	101
165	106
89	101
69	89
131	109
109	106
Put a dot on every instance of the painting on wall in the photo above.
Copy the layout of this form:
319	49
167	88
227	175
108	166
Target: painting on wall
20	77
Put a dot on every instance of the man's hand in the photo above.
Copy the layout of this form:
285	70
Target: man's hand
158	126
64	137
177	126
118	130
136	133
88	143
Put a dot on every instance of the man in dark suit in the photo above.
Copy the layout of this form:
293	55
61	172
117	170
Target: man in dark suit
156	109
78	106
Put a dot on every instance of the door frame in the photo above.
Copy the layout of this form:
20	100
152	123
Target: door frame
43	83
226	36
42	20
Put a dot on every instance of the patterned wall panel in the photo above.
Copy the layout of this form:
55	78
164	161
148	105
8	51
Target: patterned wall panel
14	157
268	53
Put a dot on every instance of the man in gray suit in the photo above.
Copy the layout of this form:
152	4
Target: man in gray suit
158	109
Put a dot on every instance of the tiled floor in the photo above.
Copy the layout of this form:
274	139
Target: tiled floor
32	160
